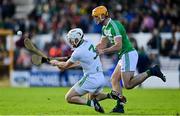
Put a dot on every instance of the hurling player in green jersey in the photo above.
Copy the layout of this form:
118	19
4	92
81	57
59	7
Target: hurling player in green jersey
114	32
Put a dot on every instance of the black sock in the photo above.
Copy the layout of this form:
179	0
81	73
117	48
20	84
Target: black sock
118	102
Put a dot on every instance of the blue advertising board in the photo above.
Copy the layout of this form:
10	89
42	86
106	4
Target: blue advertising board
43	78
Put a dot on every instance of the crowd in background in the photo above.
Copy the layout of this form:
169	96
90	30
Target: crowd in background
59	16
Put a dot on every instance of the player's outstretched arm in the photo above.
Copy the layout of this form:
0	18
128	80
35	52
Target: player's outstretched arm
64	65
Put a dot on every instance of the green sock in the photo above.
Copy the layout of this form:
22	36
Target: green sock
90	103
149	73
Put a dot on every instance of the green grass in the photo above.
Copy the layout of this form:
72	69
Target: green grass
50	101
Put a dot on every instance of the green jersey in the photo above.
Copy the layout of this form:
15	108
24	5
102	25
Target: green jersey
115	29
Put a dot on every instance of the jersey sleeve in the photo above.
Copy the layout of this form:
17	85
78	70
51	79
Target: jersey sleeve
75	56
115	30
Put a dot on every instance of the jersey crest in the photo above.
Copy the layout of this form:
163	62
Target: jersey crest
107	32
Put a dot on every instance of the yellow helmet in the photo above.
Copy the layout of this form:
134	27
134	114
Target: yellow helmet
100	10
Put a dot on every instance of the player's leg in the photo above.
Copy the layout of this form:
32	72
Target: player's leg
115	79
129	63
74	97
85	85
95	86
95	97
131	81
100	96
116	92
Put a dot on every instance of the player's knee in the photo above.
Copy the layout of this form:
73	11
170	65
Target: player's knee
128	86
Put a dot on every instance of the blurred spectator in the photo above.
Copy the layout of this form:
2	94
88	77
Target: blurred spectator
64	75
143	61
66	50
4	59
61	16
134	42
2	44
154	58
20	42
155	41
175	53
3	51
58	48
148	23
55	51
168	45
23	60
7	8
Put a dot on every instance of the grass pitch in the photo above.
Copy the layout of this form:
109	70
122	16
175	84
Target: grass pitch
50	101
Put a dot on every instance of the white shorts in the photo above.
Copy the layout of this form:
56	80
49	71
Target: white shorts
92	83
128	61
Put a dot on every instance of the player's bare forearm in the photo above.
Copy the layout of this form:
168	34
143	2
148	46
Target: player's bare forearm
60	58
64	65
116	47
111	49
67	66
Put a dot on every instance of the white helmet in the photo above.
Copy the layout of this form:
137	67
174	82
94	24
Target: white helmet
74	37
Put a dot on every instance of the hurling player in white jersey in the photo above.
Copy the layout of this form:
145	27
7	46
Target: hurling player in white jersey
93	80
